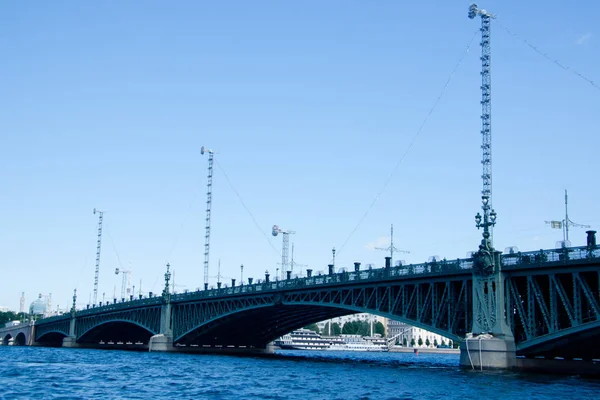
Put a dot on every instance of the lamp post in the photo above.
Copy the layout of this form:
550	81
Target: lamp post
484	258
165	293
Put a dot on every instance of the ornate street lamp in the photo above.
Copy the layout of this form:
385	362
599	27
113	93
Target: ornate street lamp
165	292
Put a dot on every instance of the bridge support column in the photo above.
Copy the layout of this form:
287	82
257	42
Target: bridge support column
488	352
491	344
161	343
164	340
70	342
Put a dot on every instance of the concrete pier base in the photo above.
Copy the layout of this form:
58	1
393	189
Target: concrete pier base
488	352
70	342
161	343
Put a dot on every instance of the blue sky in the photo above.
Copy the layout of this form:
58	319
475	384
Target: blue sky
310	106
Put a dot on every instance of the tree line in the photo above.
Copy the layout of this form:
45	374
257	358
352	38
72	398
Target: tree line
8	316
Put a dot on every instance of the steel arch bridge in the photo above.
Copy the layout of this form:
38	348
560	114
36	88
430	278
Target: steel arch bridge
552	305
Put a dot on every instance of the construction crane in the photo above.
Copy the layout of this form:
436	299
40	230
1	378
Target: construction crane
284	248
208	210
489	215
98	247
565	224
125	282
391	248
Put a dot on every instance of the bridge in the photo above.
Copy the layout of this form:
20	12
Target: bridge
551	307
532	305
17	335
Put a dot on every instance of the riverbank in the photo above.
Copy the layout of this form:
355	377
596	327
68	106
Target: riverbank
428	350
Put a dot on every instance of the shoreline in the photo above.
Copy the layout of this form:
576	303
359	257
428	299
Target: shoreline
427	350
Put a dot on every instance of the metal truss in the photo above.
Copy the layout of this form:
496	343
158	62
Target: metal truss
543	307
551	296
187	317
442	306
147	318
57	326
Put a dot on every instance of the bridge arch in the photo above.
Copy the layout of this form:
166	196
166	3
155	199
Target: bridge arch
117	330
574	342
51	338
258	324
20	339
6	339
417	324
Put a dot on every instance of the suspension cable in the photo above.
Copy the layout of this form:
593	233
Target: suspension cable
546	56
246	208
431	110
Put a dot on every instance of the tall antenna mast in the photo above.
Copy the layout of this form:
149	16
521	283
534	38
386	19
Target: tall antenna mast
489	215
100	216
208	209
126	275
392	249
284	247
565	224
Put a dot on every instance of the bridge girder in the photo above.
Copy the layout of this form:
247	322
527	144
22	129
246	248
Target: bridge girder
438	306
60	326
145	318
116	330
549	294
544	308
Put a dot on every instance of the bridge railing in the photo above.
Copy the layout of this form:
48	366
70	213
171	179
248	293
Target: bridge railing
434	268
441	267
54	318
148	301
544	257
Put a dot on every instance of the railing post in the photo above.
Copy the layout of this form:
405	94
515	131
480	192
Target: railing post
591	243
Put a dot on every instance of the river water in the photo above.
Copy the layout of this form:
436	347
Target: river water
54	373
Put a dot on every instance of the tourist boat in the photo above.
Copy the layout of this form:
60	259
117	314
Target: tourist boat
357	347
305	339
302	339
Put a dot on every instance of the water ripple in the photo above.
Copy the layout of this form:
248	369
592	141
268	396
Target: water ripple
44	373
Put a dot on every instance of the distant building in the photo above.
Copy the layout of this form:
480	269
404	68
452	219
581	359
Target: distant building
366	317
408	333
39	306
3	309
22	303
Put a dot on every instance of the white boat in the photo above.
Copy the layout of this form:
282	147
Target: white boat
302	339
355	346
305	339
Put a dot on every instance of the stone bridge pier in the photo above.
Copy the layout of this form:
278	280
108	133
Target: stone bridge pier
164	340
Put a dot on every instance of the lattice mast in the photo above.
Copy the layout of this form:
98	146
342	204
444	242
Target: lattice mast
284	248
98	248
489	215
208	211
125	281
